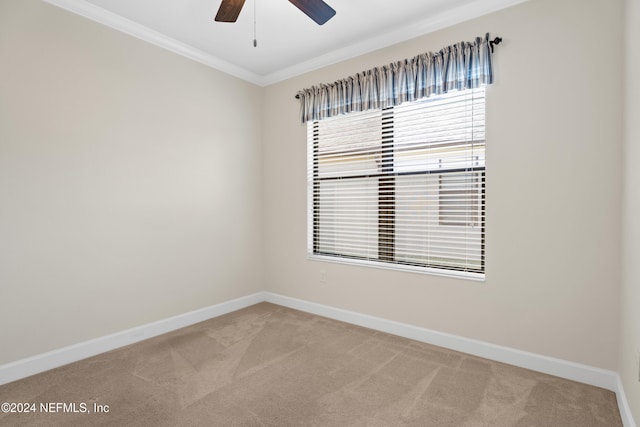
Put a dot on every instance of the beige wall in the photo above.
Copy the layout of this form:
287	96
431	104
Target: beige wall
630	310
134	186
129	182
553	192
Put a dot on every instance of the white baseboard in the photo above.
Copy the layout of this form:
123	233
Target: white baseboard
561	368
548	365
597	377
43	362
623	404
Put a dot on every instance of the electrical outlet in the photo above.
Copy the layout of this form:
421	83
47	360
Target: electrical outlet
323	276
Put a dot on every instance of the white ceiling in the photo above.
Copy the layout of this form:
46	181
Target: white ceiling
289	42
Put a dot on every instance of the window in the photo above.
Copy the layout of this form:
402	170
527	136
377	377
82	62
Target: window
401	187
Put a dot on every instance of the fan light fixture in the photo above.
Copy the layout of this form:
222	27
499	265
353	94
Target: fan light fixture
317	10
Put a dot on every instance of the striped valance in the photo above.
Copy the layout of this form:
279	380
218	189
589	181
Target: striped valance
464	65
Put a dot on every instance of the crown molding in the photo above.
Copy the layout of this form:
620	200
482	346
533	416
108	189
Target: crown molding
119	23
428	25
431	24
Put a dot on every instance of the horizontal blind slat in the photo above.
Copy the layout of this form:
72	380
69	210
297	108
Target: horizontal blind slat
404	185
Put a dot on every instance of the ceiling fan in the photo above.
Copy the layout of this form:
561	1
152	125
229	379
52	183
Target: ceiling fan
317	10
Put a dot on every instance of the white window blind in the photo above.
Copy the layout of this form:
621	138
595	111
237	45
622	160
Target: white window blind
403	186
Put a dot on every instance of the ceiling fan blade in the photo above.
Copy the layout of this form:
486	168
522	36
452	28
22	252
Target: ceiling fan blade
317	10
229	10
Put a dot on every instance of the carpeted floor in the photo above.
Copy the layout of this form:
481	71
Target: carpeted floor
268	365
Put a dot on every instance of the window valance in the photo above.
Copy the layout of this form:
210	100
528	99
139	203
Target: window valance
464	65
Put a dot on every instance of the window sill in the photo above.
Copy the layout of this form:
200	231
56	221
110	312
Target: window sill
476	277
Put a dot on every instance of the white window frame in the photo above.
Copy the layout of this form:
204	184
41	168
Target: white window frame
438	271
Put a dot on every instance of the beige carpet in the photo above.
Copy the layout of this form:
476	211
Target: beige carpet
271	366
